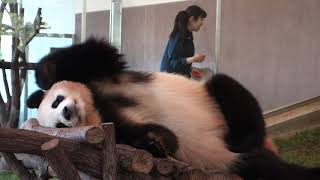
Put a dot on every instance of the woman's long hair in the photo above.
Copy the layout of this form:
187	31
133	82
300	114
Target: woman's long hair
182	18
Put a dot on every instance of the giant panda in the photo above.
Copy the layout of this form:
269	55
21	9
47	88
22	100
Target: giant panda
213	125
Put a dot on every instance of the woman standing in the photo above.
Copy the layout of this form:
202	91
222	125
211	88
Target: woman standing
179	53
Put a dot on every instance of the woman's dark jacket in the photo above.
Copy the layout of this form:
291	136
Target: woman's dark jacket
176	52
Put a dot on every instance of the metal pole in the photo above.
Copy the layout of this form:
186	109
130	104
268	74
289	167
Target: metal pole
217	36
115	23
84	21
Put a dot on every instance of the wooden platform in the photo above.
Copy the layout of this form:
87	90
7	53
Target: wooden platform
294	118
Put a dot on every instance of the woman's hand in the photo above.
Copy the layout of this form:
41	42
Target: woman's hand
196	58
195	73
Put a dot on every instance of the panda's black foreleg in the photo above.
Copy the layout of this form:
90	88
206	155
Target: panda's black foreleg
157	140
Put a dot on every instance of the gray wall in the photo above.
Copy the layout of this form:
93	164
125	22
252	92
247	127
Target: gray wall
271	46
97	25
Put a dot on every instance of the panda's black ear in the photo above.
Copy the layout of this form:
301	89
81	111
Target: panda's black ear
35	99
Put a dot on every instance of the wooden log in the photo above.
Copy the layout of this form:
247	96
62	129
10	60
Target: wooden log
86	158
59	161
134	160
89	134
109	155
89	159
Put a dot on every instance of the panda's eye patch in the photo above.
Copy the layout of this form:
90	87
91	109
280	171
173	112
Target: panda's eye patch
56	102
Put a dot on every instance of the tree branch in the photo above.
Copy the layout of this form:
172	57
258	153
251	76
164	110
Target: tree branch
6	85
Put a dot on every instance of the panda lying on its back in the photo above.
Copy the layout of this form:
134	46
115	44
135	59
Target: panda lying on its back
217	125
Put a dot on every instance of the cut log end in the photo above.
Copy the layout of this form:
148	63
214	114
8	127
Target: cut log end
164	166
142	162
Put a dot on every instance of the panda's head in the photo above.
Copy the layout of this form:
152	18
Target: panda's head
65	104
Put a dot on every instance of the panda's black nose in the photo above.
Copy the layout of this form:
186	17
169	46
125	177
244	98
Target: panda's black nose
67	113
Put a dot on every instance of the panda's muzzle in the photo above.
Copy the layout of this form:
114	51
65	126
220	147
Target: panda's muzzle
68	112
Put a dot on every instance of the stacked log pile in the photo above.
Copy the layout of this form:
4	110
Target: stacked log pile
91	151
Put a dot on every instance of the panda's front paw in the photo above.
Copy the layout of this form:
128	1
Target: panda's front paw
156	149
151	145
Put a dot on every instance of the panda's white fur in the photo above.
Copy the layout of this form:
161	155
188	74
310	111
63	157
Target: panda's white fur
190	113
76	97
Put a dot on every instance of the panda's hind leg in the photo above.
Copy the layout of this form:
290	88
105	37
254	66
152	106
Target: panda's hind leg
242	113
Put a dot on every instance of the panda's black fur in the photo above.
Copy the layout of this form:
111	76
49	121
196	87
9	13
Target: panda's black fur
95	62
241	111
78	57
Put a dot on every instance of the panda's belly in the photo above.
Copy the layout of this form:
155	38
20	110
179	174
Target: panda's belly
184	107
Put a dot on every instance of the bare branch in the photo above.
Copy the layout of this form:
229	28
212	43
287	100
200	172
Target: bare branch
5	81
31	30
